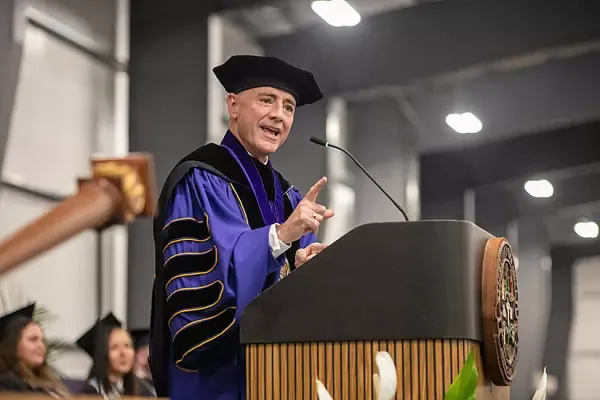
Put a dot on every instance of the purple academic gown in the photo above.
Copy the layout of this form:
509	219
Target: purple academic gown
236	262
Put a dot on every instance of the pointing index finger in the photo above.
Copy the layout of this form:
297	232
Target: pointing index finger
314	191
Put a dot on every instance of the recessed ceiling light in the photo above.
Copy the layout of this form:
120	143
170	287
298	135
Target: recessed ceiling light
464	123
336	12
540	188
586	229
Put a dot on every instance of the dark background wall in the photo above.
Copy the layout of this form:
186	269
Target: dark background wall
377	136
299	160
168	72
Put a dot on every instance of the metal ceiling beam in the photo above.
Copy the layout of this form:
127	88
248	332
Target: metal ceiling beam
510	64
566	255
402	46
454	171
233	5
508	203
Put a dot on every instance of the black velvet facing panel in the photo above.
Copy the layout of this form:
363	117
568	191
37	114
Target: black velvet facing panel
190	264
196	334
219	158
388	281
250	206
186	228
188	300
290	254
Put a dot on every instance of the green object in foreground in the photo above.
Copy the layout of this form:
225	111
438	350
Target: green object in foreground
464	387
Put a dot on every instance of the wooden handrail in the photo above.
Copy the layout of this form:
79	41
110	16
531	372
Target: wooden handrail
93	206
119	190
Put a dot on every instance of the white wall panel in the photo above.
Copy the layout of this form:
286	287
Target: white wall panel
55	116
63	280
584	347
63	114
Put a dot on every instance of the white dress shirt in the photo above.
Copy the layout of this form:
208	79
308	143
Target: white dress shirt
277	246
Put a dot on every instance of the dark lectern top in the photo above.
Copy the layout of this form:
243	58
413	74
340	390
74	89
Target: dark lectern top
385	281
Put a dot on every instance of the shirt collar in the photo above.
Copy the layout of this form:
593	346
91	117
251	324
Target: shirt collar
266	160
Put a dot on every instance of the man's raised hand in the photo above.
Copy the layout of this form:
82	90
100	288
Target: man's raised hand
307	216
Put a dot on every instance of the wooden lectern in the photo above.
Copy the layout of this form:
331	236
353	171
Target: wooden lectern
427	292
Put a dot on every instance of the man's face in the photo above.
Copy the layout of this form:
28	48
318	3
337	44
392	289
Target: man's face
263	117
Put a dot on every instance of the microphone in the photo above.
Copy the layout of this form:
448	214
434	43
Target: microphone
325	143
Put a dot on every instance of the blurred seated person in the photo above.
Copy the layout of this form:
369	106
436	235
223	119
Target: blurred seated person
142	344
113	355
23	356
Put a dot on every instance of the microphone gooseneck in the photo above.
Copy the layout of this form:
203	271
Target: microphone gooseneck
319	141
325	143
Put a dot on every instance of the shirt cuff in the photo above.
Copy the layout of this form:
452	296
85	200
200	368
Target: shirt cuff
277	246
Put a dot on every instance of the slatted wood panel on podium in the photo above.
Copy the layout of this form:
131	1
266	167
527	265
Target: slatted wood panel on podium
425	369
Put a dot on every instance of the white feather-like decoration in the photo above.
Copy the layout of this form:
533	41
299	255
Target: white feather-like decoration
322	393
386	381
540	393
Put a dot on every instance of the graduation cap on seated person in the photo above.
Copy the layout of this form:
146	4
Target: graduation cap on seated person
141	337
89	340
243	72
24	312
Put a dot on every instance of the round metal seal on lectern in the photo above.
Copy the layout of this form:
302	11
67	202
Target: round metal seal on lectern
500	302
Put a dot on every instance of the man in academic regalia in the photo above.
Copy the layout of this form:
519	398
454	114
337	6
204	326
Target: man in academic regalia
228	226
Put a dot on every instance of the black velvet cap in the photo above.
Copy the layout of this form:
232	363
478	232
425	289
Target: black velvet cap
89	340
141	337
243	72
25	312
